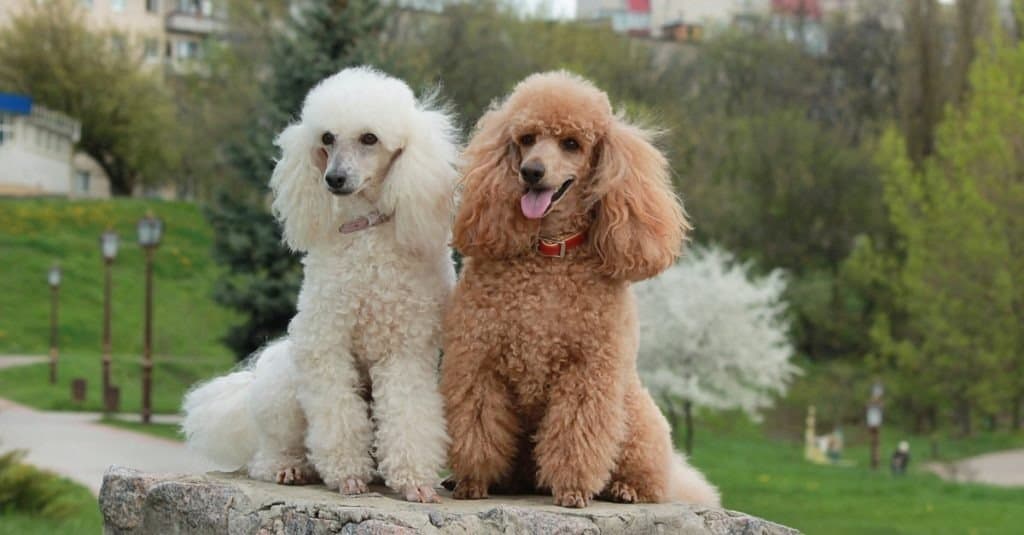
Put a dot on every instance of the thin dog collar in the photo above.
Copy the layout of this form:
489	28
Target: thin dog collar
558	248
364	222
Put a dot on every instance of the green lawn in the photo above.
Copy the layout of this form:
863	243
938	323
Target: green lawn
36	233
769	478
187	327
168	431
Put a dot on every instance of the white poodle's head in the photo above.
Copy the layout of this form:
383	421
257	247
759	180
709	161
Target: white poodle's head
364	142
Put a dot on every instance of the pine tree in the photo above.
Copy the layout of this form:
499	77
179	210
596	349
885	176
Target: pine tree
319	38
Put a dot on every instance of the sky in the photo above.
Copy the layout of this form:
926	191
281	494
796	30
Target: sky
563	9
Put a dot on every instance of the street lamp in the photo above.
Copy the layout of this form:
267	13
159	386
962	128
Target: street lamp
53	277
150	231
874	419
108	247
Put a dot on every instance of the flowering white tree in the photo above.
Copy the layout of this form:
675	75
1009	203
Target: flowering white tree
713	335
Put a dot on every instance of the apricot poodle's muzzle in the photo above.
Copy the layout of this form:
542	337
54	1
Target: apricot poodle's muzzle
539	198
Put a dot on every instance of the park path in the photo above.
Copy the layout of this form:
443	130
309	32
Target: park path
1003	468
74	445
10	361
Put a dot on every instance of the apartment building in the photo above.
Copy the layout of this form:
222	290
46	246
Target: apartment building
664	18
37	152
166	32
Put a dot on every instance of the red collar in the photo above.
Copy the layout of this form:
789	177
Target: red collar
557	249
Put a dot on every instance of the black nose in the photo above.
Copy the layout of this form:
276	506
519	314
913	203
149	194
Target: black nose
532	171
336	180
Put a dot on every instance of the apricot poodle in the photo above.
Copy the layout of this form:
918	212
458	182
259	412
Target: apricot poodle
563	204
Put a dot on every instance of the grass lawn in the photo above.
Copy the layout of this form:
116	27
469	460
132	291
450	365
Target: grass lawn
168	431
187	327
172	376
770	479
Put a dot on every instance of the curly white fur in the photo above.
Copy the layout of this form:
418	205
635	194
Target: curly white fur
369	309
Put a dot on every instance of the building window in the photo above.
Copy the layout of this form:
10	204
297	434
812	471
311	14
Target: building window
4	134
117	6
152	6
87	4
82	180
152	47
188	49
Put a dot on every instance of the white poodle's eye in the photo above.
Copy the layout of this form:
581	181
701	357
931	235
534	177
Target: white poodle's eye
570	145
368	139
527	140
327	138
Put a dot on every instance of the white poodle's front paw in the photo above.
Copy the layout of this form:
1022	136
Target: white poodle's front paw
296	475
353	486
421	494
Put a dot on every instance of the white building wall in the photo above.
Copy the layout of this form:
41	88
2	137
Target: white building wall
33	163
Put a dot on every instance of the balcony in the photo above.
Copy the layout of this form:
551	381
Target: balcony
195	23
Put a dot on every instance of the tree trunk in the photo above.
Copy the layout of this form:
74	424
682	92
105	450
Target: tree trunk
963	416
688	415
673	419
1017	423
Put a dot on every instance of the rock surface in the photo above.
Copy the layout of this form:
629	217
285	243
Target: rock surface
133	502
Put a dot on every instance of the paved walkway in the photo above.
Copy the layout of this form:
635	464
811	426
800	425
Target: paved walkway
10	361
1004	468
73	445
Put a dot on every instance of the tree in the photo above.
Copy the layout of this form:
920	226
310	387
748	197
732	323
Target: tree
321	38
953	337
712	335
127	115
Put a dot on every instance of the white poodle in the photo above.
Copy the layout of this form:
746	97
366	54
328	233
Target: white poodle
364	187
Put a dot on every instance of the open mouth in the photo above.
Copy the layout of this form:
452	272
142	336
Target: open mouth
537	202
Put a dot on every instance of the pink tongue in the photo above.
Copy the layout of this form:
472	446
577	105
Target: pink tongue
535	202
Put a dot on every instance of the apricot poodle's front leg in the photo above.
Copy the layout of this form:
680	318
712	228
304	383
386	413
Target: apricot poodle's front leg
580	435
483	428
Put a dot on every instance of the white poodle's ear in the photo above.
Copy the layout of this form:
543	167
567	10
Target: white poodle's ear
420	186
301	203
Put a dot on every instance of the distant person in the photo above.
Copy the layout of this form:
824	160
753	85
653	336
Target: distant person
900	459
834	448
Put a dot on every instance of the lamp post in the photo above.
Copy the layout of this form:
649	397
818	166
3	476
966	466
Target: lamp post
150	230
874	419
53	277
108	247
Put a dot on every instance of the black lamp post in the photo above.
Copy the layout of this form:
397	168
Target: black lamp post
150	231
108	247
53	277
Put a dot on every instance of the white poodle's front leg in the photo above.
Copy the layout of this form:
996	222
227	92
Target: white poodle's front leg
411	441
339	432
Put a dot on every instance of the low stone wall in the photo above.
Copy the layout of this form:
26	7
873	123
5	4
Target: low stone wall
217	503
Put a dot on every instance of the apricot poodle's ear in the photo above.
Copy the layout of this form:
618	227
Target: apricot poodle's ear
640	224
489	222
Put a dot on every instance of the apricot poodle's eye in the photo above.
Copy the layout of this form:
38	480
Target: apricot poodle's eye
527	140
368	139
570	145
327	138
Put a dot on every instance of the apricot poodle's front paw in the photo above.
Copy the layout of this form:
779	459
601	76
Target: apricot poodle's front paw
421	494
622	493
353	486
574	499
469	490
296	475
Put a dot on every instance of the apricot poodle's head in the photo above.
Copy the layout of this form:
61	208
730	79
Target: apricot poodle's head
554	159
